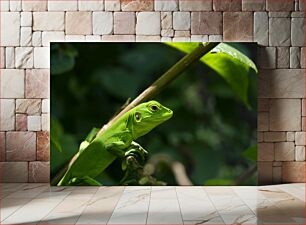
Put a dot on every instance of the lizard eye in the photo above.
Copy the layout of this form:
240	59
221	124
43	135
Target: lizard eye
137	116
154	108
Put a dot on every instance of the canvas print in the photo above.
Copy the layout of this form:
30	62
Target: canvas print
153	114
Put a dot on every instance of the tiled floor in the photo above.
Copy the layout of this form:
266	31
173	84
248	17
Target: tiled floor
40	204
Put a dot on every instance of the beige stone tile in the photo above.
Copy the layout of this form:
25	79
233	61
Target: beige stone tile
34	123
37	39
112	5
41	57
52	36
132	208
68	211
91	5
9	206
45	122
7	114
181	21
300	153
279	32
206	23
24	57
30	190
93	38
9	57
48	21
142	27
283	57
295	57
281	83
293	172
45	106
78	23
28	106
265	151
195	204
14	171
170	5
25	36
12	83
5	5
74	38
34	5
21	122
26	19
2	57
137	5
39	172
100	208
20	146
282	5
261	28
58	5
102	23
181	39
143	38
238	26
37	83
166	39
300	138
182	33
285	115
215	38
124	22
10	28
166	20
253	5
284	151
167	33
43	146
290	136
230	5
25	214
274	136
203	5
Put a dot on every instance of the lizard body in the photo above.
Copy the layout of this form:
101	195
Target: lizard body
96	155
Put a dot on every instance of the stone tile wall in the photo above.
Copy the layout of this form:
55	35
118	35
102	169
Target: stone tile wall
28	26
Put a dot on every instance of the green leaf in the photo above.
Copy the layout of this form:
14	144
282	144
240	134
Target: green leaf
63	147
92	134
117	82
62	58
218	182
250	153
229	63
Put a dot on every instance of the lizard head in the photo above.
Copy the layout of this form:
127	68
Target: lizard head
147	116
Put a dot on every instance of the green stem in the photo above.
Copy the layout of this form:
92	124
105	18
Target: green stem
164	80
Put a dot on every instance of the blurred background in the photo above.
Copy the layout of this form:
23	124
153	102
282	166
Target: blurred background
211	139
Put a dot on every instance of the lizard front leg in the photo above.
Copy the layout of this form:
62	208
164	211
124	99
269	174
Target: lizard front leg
137	151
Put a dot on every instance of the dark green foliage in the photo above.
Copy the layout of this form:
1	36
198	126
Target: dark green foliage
211	126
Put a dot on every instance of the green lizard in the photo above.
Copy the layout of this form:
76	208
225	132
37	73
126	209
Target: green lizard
117	141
